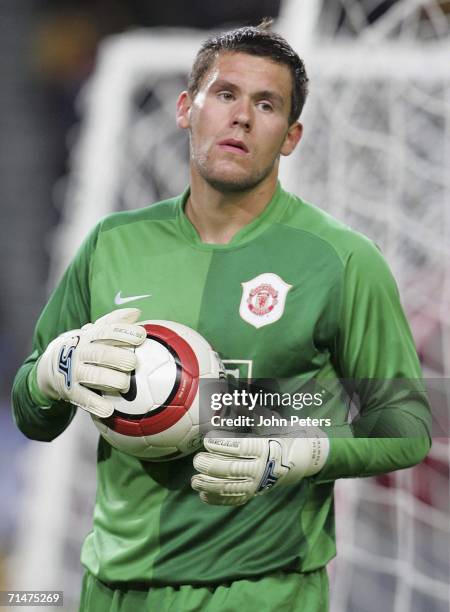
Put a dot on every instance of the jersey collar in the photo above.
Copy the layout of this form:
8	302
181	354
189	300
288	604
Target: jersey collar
270	215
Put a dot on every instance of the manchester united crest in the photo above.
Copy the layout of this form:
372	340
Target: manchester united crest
263	299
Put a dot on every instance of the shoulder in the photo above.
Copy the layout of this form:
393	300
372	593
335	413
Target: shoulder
330	234
166	210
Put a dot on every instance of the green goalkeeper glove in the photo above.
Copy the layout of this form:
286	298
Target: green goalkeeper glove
98	356
236	469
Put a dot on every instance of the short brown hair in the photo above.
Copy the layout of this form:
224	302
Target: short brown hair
254	40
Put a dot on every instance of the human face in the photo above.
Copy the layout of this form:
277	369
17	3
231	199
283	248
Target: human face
238	121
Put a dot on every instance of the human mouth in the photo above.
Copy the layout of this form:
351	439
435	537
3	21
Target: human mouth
233	145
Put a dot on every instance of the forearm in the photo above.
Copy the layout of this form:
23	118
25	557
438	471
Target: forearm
68	308
35	422
368	456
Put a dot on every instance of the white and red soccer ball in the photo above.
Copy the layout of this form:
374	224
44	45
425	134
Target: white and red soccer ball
159	418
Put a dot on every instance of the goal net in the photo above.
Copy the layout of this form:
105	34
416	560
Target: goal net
376	155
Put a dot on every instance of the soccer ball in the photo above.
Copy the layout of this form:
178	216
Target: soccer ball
158	419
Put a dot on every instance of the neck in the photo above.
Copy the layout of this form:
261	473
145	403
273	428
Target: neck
218	216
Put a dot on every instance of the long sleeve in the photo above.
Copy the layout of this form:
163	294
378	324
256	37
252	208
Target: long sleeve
375	354
68	308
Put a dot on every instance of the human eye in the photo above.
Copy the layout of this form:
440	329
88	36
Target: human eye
225	95
265	106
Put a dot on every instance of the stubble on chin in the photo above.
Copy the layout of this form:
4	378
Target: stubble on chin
227	181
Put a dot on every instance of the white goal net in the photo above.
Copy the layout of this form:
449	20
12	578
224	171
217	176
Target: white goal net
376	155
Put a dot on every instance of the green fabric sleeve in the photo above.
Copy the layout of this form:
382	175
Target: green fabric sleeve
68	308
37	396
375	354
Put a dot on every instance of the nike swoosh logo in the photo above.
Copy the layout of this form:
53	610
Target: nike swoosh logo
119	300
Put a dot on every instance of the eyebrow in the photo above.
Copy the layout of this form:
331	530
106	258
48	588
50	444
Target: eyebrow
265	93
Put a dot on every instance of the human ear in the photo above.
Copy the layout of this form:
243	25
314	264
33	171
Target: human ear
184	104
292	138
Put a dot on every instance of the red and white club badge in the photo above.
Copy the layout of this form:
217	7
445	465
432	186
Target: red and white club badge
263	299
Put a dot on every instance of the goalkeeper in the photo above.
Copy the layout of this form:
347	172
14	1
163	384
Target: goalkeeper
281	290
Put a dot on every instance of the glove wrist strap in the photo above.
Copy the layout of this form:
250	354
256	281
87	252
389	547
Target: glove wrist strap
307	459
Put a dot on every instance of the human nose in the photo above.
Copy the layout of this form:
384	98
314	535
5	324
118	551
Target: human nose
242	115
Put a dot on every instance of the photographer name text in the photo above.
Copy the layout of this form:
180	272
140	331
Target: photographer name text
245	401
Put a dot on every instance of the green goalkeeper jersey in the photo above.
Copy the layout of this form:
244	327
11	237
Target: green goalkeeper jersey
294	293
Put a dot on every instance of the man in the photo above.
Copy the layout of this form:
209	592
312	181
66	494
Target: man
281	290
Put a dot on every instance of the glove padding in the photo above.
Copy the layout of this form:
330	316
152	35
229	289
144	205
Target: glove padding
98	356
236	469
